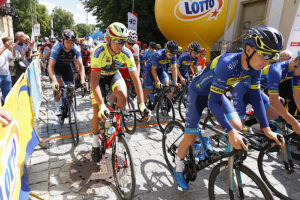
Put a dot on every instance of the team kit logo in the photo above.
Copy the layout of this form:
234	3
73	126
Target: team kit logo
188	10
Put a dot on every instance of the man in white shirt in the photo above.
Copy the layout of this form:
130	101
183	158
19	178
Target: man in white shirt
6	53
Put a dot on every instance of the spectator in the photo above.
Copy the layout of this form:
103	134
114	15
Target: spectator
7	52
21	50
158	46
144	48
285	55
201	63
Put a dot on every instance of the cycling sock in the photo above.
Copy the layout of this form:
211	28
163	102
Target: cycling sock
96	140
179	164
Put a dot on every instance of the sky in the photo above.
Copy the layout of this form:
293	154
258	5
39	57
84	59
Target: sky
74	6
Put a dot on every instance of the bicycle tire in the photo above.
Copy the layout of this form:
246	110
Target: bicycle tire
295	147
245	170
182	106
170	151
73	124
75	101
118	172
278	173
164	110
128	128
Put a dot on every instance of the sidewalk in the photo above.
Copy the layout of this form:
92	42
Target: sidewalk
49	170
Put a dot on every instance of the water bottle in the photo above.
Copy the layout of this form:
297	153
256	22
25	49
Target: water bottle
152	97
197	151
107	126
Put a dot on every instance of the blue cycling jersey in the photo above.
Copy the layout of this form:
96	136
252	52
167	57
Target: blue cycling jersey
185	61
276	73
61	57
222	72
160	61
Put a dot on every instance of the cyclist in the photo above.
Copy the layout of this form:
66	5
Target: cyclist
185	64
86	58
47	50
61	64
201	61
106	60
261	44
158	65
271	78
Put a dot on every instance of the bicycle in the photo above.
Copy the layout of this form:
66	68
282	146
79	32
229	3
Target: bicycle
68	111
276	165
233	187
164	107
122	162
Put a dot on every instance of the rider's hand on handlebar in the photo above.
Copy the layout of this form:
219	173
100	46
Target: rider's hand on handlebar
55	86
183	81
273	136
158	85
85	85
146	114
236	140
102	111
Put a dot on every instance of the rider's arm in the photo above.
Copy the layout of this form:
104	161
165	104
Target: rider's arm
51	70
192	69
178	72
154	74
137	85
174	73
81	70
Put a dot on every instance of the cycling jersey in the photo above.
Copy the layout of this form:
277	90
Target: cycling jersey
272	76
60	56
160	62
184	62
86	57
107	64
222	72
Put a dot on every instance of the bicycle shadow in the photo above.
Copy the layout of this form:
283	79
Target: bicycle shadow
159	183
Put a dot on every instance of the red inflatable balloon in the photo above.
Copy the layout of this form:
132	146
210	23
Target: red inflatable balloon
2	2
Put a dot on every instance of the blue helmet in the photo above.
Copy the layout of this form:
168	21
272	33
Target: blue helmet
195	46
172	47
264	38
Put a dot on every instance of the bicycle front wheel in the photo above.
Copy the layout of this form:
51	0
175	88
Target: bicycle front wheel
123	168
164	112
273	170
73	124
129	120
247	186
182	106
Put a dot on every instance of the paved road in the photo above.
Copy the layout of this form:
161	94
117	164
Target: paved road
49	170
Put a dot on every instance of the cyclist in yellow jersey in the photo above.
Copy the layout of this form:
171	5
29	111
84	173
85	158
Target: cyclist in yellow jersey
106	60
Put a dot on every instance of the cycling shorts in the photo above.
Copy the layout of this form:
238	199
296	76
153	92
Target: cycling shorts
162	76
65	72
111	80
196	103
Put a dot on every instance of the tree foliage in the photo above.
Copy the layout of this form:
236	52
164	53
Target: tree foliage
62	19
84	30
108	11
23	21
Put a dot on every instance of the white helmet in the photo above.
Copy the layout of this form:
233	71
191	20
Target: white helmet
132	37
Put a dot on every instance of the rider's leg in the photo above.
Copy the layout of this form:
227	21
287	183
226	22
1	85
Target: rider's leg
118	86
96	156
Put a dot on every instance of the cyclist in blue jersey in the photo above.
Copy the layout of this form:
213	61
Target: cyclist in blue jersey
272	76
185	64
61	64
261	45
158	65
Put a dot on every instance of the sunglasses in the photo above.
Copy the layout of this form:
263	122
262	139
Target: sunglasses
171	54
119	40
268	55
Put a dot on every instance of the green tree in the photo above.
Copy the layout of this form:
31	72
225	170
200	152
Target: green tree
84	30
62	19
108	11
23	21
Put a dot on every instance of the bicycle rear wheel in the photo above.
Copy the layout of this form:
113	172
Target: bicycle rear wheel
164	112
123	168
73	124
284	183
182	106
251	187
129	120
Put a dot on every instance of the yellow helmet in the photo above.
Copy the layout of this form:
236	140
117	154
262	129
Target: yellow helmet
180	48
117	30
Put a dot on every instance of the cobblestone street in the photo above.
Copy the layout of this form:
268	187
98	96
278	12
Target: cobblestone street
49	169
